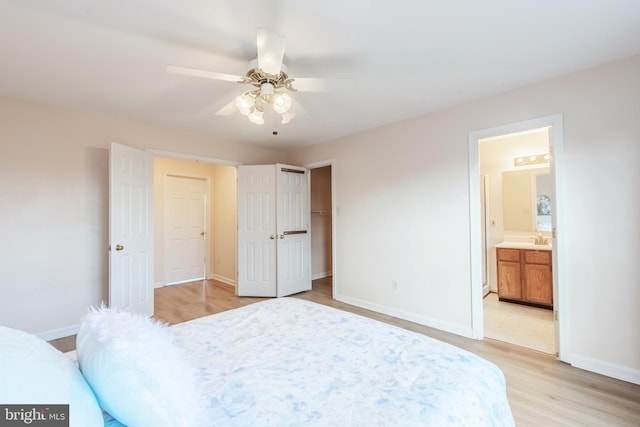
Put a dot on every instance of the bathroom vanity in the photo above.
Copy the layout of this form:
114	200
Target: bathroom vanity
525	274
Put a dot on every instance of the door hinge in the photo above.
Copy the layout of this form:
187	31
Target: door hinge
555	315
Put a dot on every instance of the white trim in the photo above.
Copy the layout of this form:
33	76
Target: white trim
475	238
334	222
223	279
555	122
193	157
486	289
405	315
55	334
321	275
605	368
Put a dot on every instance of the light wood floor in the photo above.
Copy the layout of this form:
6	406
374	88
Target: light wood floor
542	391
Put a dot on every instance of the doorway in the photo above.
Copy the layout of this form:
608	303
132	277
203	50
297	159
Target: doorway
554	125
322	227
510	200
219	217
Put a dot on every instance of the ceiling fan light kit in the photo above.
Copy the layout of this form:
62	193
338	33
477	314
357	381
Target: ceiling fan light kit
270	90
267	73
256	115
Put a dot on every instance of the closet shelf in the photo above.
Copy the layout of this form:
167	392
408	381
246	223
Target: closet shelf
320	212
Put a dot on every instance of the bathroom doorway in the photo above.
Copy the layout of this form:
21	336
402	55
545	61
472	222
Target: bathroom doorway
516	321
511	166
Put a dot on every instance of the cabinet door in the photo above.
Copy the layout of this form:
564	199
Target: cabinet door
536	286
509	280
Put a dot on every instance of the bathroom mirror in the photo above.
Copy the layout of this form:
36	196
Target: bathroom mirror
526	200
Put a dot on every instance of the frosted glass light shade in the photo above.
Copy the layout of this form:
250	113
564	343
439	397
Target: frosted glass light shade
281	103
245	103
286	117
256	116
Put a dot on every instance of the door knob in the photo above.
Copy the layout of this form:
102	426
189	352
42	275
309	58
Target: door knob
272	237
119	247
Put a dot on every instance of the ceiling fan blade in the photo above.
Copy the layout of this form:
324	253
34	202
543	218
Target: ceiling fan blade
270	51
194	72
228	109
310	84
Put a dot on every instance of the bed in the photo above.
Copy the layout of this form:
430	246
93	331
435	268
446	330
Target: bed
283	362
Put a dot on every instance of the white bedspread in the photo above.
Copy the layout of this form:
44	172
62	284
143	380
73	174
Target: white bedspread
289	362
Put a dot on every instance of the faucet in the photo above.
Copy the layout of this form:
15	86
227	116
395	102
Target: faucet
541	240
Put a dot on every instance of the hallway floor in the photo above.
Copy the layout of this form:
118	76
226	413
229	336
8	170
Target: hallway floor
529	327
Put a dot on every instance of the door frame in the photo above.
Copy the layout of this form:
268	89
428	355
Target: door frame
200	159
206	226
334	214
556	142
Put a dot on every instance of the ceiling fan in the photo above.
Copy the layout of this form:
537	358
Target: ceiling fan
268	76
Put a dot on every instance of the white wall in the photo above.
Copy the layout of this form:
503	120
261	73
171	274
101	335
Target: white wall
54	217
225	225
403	196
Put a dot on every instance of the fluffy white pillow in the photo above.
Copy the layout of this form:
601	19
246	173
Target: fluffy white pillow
137	372
33	372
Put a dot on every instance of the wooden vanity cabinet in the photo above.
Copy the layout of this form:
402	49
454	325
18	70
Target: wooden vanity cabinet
509	277
525	276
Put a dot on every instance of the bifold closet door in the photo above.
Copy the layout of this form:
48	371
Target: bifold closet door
294	234
273	230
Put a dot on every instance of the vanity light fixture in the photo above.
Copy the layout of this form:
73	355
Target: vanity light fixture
533	159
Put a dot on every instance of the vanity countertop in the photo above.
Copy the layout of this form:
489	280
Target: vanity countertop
524	245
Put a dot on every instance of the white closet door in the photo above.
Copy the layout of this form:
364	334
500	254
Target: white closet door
294	242
257	231
274	251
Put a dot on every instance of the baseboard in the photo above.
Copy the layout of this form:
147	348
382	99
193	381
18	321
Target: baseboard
223	279
605	368
54	334
485	290
321	275
405	315
158	285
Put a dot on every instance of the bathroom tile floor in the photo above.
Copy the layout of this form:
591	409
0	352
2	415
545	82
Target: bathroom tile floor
518	324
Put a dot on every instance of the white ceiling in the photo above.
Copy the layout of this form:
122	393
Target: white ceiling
385	60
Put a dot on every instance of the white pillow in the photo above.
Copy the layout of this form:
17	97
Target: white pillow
137	372
33	372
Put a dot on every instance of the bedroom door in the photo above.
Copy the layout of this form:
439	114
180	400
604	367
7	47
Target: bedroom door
130	229
273	231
